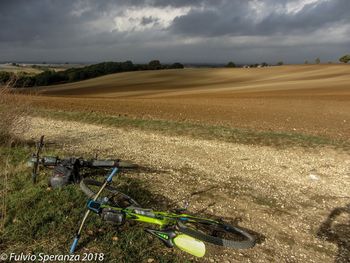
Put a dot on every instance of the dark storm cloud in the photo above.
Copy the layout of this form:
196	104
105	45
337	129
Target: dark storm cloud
239	18
202	30
311	17
29	20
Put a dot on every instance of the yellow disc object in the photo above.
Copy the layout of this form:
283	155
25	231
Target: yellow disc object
190	245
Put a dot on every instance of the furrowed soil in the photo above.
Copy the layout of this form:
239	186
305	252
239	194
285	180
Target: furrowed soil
309	99
284	196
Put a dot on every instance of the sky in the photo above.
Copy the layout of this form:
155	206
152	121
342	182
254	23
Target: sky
196	31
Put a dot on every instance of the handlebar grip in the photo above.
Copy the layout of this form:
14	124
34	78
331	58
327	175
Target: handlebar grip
46	161
112	163
105	163
50	160
74	245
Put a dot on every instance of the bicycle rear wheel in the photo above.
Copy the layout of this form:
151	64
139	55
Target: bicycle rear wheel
217	233
110	194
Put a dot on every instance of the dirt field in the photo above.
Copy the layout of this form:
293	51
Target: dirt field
311	99
293	199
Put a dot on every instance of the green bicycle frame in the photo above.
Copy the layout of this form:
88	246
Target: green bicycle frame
162	219
167	225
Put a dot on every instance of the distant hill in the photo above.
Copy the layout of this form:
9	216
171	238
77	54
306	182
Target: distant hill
214	82
51	77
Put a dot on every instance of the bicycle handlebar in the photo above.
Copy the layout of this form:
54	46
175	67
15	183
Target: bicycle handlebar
48	161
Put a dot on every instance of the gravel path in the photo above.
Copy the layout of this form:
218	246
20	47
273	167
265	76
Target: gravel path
284	196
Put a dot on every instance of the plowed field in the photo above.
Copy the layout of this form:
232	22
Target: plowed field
311	99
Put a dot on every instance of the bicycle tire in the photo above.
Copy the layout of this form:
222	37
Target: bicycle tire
84	186
247	242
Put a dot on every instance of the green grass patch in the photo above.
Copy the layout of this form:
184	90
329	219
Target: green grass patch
223	133
38	219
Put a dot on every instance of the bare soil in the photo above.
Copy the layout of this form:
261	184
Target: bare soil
285	196
311	99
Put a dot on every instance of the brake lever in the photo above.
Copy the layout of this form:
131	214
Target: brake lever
40	145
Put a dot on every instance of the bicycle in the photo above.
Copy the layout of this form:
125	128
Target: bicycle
175	229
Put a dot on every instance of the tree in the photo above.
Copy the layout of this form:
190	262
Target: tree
345	59
280	63
231	65
264	64
317	61
306	62
154	64
127	66
176	66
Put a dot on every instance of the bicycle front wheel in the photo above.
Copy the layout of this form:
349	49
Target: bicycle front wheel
110	194
217	233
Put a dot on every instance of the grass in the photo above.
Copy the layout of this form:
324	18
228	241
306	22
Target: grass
39	219
223	133
13	110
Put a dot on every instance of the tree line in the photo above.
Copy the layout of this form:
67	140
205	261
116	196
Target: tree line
51	77
344	59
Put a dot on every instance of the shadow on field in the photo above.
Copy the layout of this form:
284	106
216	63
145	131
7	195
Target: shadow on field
336	231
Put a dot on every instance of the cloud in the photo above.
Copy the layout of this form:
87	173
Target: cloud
140	19
174	30
237	18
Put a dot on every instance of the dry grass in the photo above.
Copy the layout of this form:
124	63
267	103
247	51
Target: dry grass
3	194
13	109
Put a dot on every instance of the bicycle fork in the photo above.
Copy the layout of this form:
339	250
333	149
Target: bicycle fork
77	236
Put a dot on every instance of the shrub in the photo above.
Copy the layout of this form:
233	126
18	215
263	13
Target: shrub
176	66
345	59
5	77
231	65
154	64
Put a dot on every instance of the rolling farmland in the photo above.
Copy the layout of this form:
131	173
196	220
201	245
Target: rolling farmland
311	99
